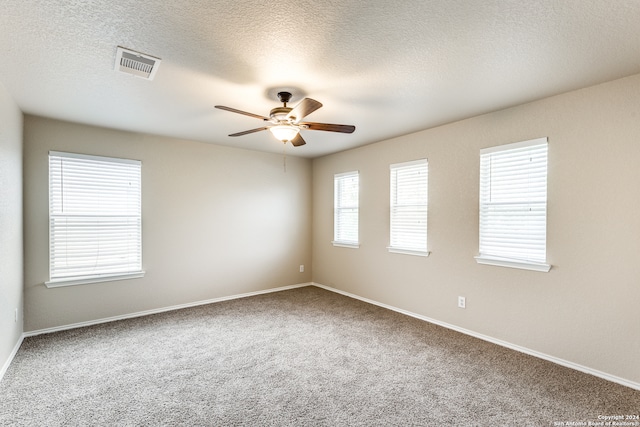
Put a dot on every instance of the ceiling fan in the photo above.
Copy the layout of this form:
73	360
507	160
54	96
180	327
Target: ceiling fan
285	122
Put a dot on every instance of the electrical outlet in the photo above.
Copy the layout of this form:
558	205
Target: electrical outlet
15	318
462	302
301	268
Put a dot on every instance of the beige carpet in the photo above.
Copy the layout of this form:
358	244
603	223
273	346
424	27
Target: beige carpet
304	357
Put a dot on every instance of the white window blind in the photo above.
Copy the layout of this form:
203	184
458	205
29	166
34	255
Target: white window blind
513	205
408	227
94	217
346	198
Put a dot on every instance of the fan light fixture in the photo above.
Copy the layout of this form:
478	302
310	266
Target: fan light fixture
287	122
284	133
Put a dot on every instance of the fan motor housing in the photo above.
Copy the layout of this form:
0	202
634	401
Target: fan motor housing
280	113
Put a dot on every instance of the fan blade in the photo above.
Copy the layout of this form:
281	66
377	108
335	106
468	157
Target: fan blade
329	127
298	141
233	110
304	108
246	132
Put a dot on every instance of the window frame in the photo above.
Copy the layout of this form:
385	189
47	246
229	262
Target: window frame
88	213
338	209
512	260
414	209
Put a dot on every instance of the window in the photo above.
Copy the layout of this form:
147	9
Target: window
94	219
513	205
345	203
409	182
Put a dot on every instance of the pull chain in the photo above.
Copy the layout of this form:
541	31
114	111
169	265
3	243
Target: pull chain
284	156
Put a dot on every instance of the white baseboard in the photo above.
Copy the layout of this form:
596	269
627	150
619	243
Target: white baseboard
11	356
158	310
562	362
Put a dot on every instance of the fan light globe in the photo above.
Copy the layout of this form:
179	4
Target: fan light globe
284	133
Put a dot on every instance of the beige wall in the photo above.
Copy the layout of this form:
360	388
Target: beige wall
217	221
586	309
10	225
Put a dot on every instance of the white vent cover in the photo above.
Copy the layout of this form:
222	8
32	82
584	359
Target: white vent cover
135	63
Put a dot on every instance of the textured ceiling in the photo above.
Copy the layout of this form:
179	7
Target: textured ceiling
389	68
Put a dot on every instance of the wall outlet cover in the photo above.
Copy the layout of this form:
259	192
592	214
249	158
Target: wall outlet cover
462	302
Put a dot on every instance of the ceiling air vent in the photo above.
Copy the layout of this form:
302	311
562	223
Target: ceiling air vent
135	63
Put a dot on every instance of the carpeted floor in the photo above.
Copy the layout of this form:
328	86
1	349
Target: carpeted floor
303	357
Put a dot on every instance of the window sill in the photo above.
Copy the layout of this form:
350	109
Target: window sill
523	265
408	251
58	283
346	245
